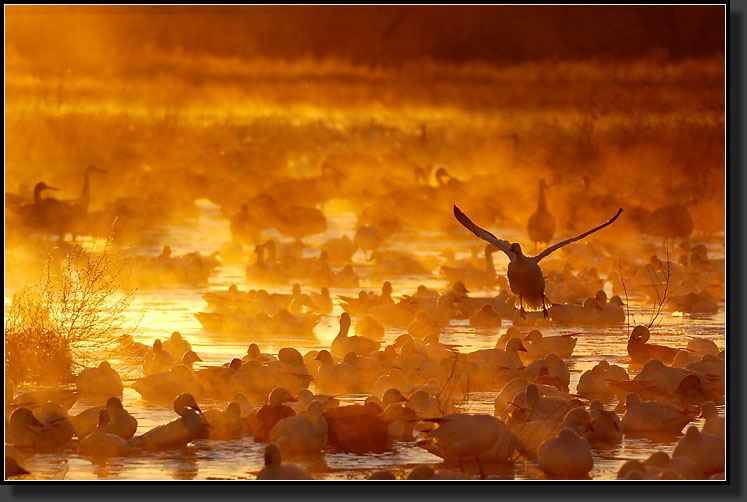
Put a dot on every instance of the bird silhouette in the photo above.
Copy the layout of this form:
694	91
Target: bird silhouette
541	225
524	274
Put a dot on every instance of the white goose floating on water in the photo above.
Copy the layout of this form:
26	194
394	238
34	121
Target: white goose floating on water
524	274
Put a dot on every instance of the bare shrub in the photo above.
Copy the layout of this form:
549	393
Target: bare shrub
660	281
70	319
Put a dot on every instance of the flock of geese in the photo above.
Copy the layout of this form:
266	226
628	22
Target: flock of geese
536	416
414	385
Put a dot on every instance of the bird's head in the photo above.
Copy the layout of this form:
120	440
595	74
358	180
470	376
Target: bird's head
515	248
93	169
43	186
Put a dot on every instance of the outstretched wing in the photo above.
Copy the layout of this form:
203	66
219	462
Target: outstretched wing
504	246
578	237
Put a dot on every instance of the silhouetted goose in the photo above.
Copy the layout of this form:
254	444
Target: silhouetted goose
705	449
641	352
100	443
567	456
79	207
177	433
530	436
605	427
23	428
225	424
176	345
101	381
524	274
541	225
305	433
121	422
215	380
654	416
714	425
259	379
321	302
423	326
533	406
540	346
270	414
336	378
357	428
486	317
166	385
47	216
342	344
157	360
595	382
468	438
367	326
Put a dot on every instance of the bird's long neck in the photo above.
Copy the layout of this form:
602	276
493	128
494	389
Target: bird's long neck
542	204
85	194
37	194
489	265
344	328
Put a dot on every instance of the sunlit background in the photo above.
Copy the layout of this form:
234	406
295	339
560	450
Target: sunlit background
353	111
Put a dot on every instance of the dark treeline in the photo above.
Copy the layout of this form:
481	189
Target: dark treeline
385	35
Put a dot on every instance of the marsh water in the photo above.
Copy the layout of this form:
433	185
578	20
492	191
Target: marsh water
169	309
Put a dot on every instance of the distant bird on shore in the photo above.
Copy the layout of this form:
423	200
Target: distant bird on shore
524	274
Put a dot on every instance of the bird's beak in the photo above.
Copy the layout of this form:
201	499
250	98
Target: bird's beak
196	408
522	349
35	423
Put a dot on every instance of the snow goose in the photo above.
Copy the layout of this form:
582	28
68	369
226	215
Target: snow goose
706	450
303	434
101	381
271	413
101	443
654	416
120	422
566	456
466	438
342	344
